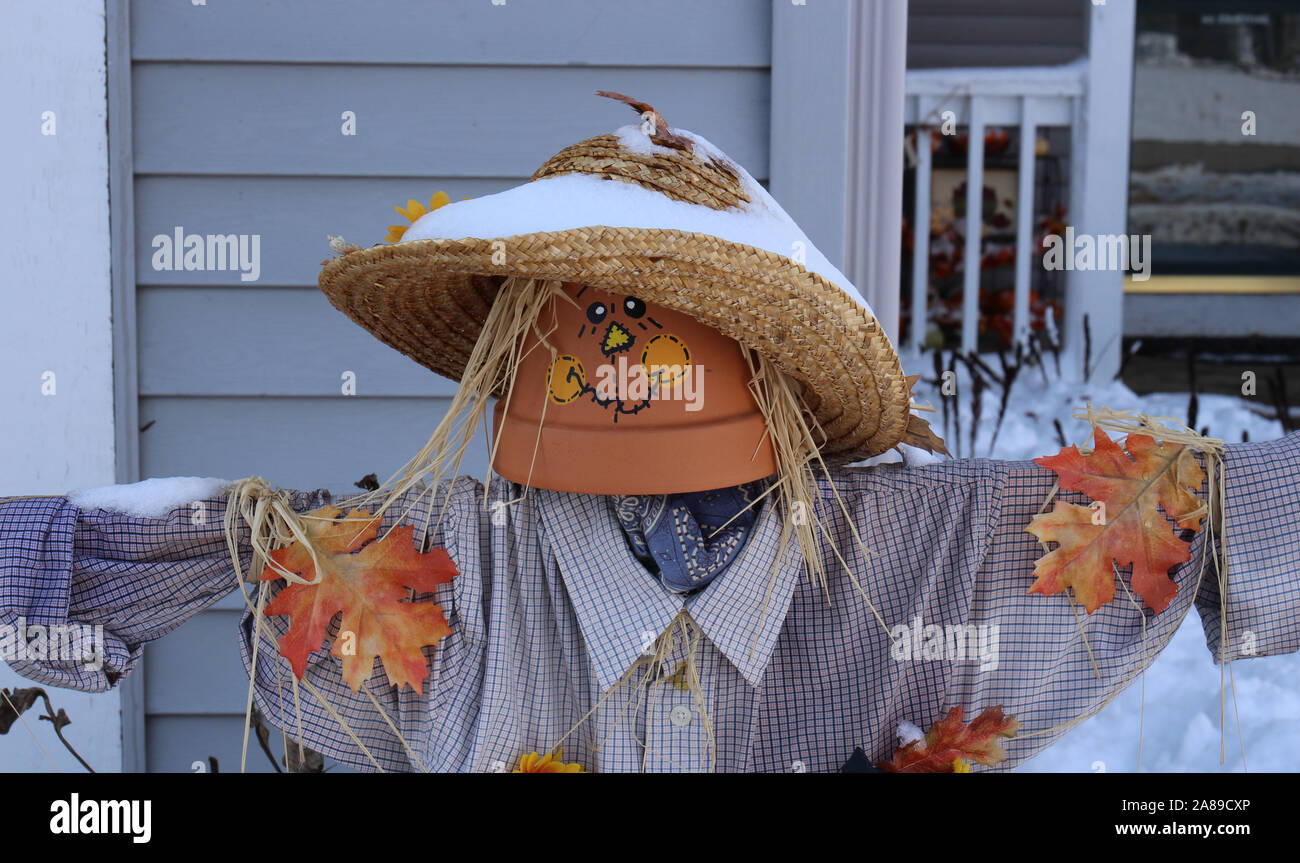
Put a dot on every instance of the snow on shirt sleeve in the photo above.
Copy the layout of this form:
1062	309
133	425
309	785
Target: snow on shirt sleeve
150	498
108	582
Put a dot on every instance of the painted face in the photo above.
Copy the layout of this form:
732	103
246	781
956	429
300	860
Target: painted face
624	359
637	398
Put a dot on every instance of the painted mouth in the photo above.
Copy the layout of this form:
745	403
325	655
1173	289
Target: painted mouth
616	339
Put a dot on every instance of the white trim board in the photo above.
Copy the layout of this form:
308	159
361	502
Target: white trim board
126	387
56	337
838	72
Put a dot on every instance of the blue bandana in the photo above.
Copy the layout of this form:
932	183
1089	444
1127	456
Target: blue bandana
681	538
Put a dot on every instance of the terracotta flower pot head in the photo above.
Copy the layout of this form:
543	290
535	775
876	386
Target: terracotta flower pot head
639	399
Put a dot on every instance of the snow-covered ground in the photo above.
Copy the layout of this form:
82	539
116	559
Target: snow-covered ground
1180	725
1036	399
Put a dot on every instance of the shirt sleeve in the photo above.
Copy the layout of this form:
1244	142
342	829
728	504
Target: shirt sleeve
1261	615
1054	665
377	727
82	592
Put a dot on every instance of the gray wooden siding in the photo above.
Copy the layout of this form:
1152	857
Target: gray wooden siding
236	124
953	33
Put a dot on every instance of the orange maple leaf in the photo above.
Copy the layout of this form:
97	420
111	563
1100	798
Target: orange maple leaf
1124	525
368	582
949	742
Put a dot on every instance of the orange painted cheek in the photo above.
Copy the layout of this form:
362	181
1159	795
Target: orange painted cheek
565	380
666	359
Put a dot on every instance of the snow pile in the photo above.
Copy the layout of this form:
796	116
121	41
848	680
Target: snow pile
1182	727
1037	399
151	498
909	733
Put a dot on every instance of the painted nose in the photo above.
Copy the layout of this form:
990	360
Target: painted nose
617	339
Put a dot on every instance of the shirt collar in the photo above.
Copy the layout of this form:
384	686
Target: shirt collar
744	610
619	608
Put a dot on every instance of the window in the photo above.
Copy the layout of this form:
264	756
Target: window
1215	164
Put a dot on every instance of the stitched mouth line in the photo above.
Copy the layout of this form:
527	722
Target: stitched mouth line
622	407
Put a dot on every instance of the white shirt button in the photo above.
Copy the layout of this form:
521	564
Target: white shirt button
680	716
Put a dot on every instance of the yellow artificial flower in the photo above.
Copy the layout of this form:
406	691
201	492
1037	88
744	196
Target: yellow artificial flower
534	763
960	765
412	211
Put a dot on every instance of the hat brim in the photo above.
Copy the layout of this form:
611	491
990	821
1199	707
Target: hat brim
429	298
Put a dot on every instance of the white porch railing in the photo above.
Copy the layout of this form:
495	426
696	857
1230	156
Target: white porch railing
977	98
1093	96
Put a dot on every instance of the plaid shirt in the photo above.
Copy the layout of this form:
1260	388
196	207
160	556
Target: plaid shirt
551	610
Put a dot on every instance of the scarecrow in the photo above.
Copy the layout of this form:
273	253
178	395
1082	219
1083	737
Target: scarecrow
675	566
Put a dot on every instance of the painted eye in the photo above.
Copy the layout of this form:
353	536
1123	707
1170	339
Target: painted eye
633	307
596	312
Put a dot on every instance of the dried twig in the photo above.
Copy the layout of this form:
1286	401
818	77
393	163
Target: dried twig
978	384
263	734
1126	356
1009	373
18	701
1087	349
312	761
956	408
661	133
1036	359
989	374
1277	390
938	384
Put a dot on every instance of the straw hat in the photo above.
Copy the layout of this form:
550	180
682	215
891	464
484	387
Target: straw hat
663	214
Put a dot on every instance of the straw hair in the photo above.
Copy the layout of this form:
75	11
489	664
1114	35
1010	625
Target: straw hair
490	371
429	298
